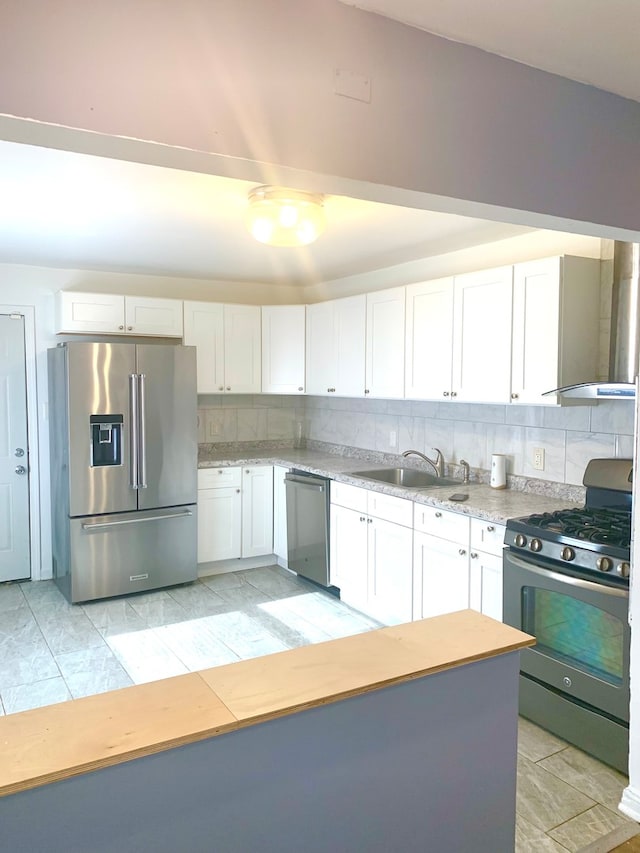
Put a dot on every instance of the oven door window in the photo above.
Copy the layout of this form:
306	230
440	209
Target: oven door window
574	632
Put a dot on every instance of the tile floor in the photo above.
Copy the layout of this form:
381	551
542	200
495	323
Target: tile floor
52	651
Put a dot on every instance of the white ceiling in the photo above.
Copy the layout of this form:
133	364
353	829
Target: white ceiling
63	209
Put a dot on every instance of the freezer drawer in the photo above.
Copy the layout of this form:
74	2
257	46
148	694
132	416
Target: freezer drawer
130	552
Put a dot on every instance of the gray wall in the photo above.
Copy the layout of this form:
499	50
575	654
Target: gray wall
255	82
429	765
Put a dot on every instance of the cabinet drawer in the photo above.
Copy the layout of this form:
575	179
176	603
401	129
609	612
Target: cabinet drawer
390	508
441	522
218	478
487	536
350	497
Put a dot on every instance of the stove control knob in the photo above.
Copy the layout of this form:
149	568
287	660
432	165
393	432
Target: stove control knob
536	545
623	569
568	554
604	564
520	540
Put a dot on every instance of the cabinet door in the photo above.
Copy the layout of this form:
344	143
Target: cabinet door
321	365
485	584
283	344
482	336
150	316
536	331
429	340
349	319
385	343
219	524
444	569
280	515
348	558
257	511
204	329
242	349
390	555
89	312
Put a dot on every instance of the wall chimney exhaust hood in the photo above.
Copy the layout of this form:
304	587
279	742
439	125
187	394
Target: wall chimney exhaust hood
624	348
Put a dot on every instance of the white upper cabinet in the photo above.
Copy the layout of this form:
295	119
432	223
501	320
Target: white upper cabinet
482	307
335	347
556	313
429	340
111	314
228	343
385	343
283	345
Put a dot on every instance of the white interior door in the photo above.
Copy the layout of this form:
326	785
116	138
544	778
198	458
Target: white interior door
15	562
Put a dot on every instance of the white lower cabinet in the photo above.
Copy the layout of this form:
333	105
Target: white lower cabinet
280	515
440	562
485	567
235	513
372	552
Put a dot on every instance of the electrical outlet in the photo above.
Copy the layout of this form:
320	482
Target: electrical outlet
538	458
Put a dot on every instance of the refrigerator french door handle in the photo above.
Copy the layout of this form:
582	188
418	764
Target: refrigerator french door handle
142	433
133	432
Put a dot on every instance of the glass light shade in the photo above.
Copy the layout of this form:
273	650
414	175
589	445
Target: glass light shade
282	217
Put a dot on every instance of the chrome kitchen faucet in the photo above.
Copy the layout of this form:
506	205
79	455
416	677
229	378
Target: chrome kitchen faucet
437	464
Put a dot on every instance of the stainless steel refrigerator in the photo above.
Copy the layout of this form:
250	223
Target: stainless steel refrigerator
123	441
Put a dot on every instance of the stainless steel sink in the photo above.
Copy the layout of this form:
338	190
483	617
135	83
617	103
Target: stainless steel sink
410	478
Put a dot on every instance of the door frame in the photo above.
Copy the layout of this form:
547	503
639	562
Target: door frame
27	312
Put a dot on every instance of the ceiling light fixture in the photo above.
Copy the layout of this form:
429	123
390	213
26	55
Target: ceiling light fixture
283	217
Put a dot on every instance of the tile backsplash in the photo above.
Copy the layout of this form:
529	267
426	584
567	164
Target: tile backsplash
570	436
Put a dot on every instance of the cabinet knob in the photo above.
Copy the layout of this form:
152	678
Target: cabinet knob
237	491
362	518
120	328
438	515
220	387
247	470
514	396
366	390
473	555
445	393
490	528
454	393
219	470
228	387
462	552
300	388
129	328
369	521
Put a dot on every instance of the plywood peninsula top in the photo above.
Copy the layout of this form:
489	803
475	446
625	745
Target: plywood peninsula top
58	741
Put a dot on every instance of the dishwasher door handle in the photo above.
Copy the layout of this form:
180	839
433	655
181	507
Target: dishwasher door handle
302	483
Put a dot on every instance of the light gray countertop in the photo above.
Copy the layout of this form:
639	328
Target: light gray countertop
495	505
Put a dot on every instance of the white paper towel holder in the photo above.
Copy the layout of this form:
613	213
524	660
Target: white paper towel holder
498	478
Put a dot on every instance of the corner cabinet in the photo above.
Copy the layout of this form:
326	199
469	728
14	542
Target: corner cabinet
556	318
111	314
228	346
335	347
283	345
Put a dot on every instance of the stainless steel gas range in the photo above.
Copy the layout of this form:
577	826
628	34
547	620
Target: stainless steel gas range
566	581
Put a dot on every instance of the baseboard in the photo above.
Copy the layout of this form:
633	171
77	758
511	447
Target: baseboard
221	567
630	803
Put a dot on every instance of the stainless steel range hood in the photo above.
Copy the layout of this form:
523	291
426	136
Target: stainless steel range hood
624	348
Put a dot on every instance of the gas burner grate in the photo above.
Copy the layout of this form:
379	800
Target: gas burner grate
600	526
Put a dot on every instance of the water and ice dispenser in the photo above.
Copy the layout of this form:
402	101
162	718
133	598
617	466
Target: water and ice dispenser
106	440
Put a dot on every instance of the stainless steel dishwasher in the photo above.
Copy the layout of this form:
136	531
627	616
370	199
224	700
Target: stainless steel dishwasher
308	525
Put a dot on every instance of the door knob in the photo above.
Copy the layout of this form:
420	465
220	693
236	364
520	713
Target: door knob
19	451
20	469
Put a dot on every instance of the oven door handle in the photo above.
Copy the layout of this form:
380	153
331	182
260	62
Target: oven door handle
558	576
